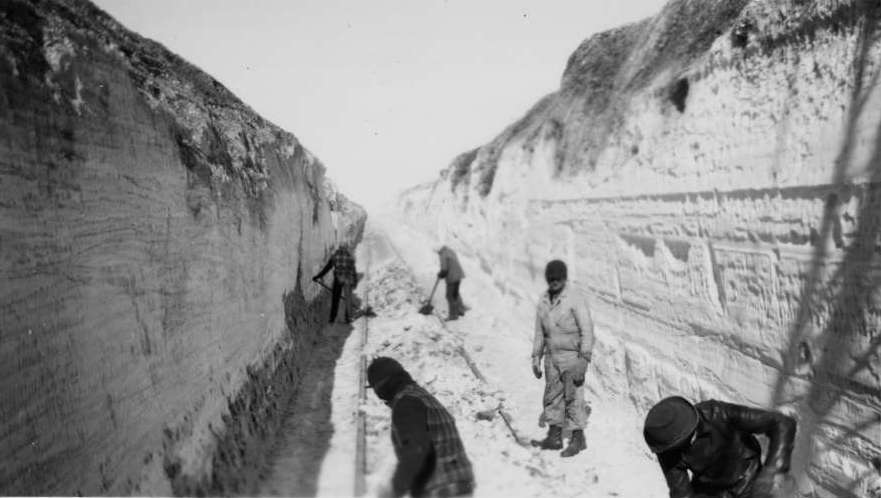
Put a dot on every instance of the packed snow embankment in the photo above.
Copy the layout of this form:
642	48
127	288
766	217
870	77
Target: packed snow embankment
615	463
156	243
712	175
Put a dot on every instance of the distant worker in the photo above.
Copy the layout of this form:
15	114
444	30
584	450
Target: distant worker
431	457
715	442
345	279
451	272
564	337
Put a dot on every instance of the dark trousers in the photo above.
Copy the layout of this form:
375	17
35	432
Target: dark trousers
455	306
742	489
339	291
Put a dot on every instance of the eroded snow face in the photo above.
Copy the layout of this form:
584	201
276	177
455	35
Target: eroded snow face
731	246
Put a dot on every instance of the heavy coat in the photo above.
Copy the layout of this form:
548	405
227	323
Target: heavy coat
563	328
343	264
724	457
431	457
450	269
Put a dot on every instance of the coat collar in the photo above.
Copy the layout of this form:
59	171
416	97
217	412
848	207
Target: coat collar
546	297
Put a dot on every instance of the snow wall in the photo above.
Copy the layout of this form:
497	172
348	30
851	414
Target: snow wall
157	240
711	174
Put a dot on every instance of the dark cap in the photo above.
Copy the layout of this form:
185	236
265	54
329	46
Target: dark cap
670	423
555	270
382	368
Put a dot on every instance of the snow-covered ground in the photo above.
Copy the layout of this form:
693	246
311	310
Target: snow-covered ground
497	334
316	455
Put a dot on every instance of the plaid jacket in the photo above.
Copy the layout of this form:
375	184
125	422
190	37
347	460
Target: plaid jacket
452	473
343	267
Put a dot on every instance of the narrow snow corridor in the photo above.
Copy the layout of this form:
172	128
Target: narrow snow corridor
316	454
497	333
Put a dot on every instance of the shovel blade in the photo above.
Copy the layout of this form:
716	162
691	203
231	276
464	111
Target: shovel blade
426	309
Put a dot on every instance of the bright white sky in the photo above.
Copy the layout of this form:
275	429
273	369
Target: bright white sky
384	92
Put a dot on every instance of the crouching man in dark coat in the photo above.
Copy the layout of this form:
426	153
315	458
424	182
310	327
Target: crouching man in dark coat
716	442
431	458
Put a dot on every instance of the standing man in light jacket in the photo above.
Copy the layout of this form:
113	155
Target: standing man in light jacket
451	271
564	338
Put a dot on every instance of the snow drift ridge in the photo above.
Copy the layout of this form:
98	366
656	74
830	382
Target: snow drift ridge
712	174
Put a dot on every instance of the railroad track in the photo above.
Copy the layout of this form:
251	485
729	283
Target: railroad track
504	414
360	484
360	460
306	443
506	417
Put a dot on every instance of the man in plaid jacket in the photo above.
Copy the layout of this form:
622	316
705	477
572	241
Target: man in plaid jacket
431	458
344	280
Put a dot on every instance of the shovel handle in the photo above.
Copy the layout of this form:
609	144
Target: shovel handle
433	289
319	282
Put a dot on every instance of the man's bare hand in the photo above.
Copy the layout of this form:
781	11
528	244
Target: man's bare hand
536	367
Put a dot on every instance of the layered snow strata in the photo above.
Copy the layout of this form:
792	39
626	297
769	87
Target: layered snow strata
711	174
156	243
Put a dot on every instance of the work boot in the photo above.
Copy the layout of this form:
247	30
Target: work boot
553	441
576	444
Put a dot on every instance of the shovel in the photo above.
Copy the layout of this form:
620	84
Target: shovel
368	311
427	308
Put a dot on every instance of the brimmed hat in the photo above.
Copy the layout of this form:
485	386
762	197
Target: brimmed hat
670	423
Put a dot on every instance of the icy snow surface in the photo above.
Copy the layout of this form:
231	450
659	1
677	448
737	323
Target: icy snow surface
498	338
316	455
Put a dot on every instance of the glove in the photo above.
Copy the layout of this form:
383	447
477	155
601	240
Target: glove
536	367
315	279
580	371
441	274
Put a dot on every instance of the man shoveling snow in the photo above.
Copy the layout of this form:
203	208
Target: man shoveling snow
344	280
451	271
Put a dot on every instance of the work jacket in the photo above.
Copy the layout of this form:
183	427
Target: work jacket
725	455
450	269
563	327
343	264
431	457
